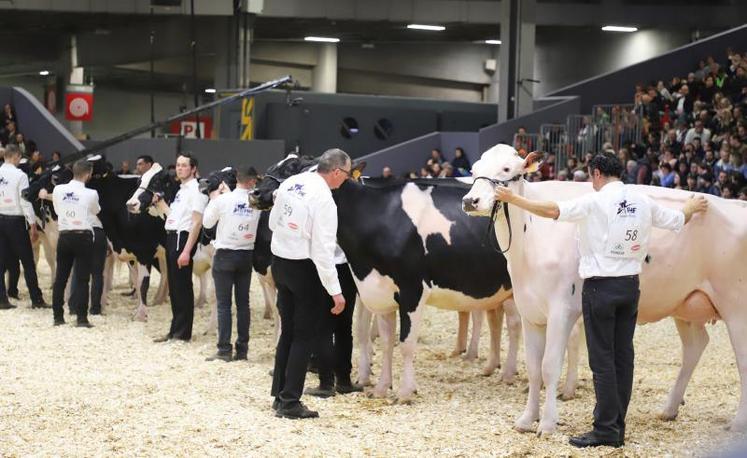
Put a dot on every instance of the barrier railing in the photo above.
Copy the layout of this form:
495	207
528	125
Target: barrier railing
526	142
554	140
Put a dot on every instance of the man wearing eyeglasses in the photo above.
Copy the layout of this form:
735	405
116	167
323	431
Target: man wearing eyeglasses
304	225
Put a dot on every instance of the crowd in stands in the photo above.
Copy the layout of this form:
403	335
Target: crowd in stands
10	134
694	136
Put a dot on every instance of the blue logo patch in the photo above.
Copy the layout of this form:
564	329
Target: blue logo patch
297	189
242	209
624	208
70	197
3	181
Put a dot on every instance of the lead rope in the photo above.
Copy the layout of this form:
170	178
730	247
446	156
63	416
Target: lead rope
491	226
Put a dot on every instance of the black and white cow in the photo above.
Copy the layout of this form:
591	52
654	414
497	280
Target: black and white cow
408	244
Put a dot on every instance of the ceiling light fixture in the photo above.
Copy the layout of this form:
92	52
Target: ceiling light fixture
323	39
492	42
210	90
44	73
619	28
432	28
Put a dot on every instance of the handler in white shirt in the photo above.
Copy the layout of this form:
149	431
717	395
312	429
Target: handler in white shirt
232	264
183	226
614	227
17	228
76	207
304	225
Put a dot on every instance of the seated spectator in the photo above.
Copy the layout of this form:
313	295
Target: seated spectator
667	175
705	185
723	162
547	168
683	169
424	173
691	183
462	166
562	175
124	169
579	175
22	144
743	193
411	175
448	170
708	90
56	156
722	180
671	142
435	156
631	172
684	103
435	170
386	173
9	115
727	192
698	131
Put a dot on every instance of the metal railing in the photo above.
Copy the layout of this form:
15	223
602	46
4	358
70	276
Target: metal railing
554	140
526	142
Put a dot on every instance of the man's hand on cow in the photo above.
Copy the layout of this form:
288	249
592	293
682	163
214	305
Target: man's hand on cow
694	205
504	194
339	304
183	260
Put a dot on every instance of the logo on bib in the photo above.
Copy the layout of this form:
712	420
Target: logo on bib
297	189
249	236
293	226
635	248
625	209
3	181
70	197
242	209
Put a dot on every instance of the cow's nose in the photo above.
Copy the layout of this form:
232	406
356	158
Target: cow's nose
470	203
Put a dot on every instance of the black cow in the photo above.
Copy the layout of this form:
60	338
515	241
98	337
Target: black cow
409	244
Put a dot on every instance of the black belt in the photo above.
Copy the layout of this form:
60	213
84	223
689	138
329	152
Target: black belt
622	277
76	231
12	216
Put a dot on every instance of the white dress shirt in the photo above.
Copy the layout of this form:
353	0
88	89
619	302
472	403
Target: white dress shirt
304	225
189	199
614	228
12	182
75	205
237	220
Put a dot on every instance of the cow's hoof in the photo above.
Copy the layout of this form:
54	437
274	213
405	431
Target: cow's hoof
524	425
377	392
140	316
267	315
667	415
546	431
470	356
737	426
406	396
567	395
509	378
487	371
453	354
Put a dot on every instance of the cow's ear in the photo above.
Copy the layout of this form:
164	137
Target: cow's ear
531	162
357	170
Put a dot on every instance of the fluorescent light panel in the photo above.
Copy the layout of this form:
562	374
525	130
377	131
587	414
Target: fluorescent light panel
210	90
619	28
432	28
492	42
44	73
323	39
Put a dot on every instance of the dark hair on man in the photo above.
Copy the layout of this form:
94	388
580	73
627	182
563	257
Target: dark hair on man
332	159
244	173
192	160
11	150
608	165
82	168
147	159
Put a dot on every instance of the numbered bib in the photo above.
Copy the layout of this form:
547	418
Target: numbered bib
8	196
72	215
293	217
242	223
625	237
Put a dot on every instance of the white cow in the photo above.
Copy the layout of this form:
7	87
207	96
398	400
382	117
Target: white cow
685	277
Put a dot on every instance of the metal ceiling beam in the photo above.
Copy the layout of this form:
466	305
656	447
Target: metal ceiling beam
202	7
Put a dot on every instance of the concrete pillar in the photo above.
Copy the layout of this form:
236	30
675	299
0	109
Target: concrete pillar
493	91
76	77
231	68
516	63
324	75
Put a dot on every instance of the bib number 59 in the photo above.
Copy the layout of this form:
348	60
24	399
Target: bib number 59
631	235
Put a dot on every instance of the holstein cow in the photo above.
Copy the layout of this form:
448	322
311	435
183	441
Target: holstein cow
409	245
682	277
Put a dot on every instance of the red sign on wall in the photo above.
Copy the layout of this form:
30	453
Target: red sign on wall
79	103
188	127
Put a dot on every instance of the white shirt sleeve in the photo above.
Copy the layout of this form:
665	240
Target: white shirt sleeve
323	243
93	207
576	209
666	218
198	201
212	213
26	207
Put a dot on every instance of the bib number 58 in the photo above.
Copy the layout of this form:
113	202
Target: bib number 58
631	235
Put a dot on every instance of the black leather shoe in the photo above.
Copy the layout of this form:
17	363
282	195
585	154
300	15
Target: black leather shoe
296	412
83	324
165	338
591	439
13	295
94	311
276	404
240	356
320	391
349	387
6	305
220	357
40	305
59	321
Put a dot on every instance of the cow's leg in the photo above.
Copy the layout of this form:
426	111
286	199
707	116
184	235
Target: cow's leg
534	347
362	331
737	326
108	278
559	326
568	391
163	284
694	339
141	289
495	323
49	254
202	297
461	340
513	323
269	291
474	342
212	326
408	386
387	324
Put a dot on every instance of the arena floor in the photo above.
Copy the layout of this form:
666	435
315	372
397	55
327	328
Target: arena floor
111	391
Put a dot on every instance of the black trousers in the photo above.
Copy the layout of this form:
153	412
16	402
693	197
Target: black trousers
14	274
232	271
73	248
98	258
15	244
181	294
610	308
335	346
303	304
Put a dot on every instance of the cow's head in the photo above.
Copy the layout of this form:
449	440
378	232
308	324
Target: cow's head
47	181
263	195
227	176
501	165
101	168
155	181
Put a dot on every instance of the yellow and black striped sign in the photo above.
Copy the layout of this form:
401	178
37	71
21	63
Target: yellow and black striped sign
247	118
